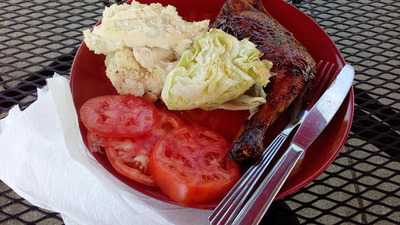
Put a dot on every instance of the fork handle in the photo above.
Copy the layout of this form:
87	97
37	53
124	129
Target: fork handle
255	208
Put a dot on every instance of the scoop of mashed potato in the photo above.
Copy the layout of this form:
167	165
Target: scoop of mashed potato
142	44
129	77
138	25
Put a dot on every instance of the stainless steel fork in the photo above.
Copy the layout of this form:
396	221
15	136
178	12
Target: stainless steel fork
233	202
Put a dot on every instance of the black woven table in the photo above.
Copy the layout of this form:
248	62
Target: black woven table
38	38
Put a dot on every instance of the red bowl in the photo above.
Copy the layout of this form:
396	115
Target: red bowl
88	80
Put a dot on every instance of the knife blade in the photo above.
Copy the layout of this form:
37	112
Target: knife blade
324	109
310	128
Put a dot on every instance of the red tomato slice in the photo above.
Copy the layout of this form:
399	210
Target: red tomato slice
190	166
127	156
118	116
130	156
95	142
169	121
224	122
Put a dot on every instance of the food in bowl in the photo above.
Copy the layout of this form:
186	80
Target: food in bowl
293	67
217	71
156	148
125	154
141	43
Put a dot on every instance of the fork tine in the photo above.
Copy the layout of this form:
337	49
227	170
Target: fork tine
332	74
262	197
234	205
261	168
238	195
321	80
326	72
231	205
257	176
225	205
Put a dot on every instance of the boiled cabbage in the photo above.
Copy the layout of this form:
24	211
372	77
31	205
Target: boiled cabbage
217	71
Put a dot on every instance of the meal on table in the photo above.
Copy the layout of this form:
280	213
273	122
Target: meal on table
195	100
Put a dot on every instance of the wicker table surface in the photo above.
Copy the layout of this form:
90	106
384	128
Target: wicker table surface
362	186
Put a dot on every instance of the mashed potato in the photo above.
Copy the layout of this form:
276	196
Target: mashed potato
142	44
129	77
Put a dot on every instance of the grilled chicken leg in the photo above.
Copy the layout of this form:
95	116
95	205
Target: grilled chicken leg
293	66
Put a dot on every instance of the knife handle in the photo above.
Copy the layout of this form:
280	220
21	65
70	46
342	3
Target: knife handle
257	205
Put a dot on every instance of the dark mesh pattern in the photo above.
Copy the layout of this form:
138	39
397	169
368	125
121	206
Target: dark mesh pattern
38	38
363	184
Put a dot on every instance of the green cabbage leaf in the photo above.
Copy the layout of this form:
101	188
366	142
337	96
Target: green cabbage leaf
217	71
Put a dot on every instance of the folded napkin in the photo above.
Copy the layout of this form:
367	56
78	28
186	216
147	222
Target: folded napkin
44	160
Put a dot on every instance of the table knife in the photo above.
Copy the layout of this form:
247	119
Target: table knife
310	128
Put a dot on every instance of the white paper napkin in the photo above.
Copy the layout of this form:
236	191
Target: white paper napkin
44	160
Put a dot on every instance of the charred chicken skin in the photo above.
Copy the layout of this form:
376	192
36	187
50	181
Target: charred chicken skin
292	64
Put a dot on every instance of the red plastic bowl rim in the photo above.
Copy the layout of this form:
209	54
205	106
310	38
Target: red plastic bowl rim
350	106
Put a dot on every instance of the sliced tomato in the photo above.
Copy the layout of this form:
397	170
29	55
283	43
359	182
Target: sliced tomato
168	121
118	116
130	156
224	122
95	142
190	166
